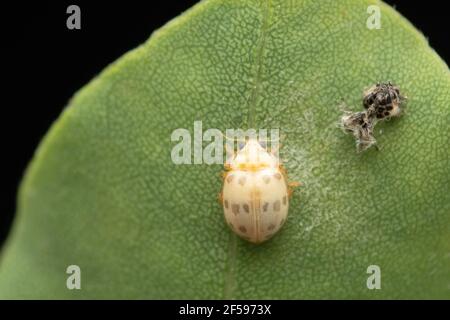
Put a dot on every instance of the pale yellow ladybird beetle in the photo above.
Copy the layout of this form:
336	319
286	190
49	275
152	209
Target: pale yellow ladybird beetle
255	194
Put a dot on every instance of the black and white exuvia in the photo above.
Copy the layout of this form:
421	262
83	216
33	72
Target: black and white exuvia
381	101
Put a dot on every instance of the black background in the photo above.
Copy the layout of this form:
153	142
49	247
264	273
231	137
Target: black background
47	63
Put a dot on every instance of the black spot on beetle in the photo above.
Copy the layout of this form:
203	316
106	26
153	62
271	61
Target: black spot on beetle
243	229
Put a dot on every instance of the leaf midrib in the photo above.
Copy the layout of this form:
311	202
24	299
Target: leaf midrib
230	280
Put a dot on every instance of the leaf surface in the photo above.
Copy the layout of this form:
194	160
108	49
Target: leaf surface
102	192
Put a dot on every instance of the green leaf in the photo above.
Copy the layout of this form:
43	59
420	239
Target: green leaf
102	192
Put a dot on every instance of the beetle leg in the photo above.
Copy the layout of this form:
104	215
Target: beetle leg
291	186
223	174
